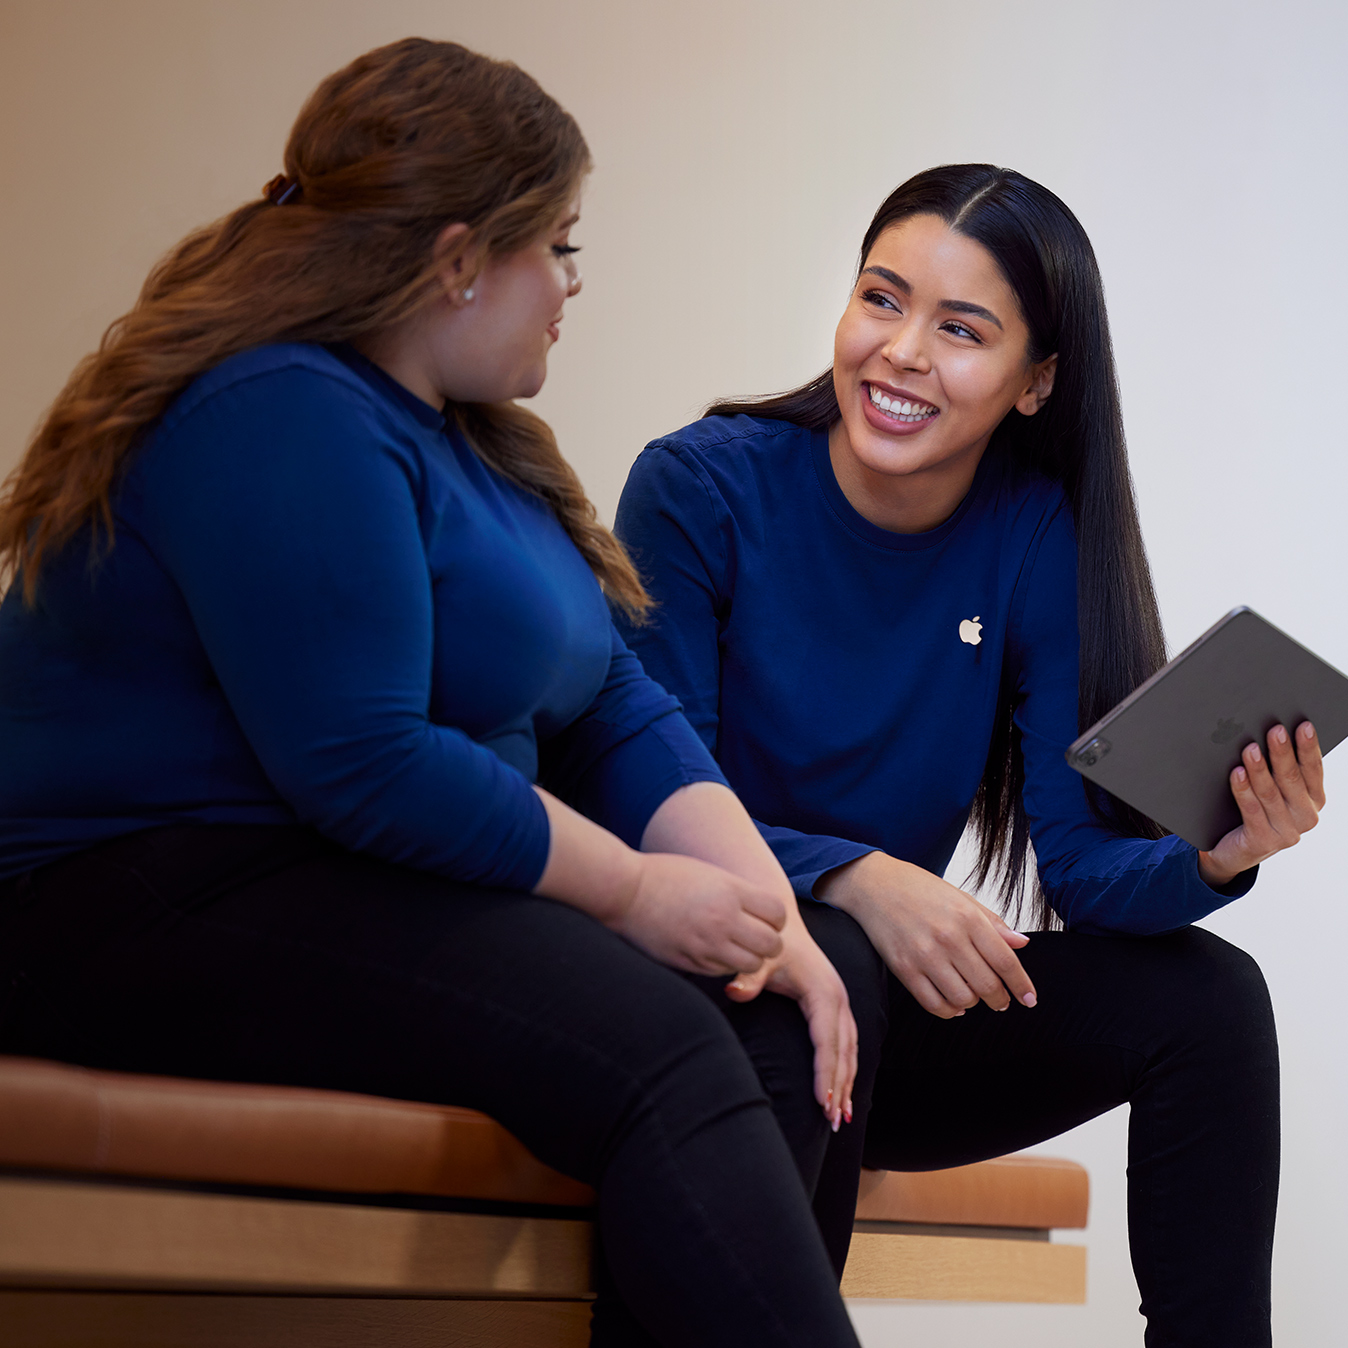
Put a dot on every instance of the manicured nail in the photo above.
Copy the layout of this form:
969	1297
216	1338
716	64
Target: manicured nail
836	1122
847	1112
1029	999
1240	775
1280	734
1308	731
828	1099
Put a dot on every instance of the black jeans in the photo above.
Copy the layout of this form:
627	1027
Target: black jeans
269	955
1179	1026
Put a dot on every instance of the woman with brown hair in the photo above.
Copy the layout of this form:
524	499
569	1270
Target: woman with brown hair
308	686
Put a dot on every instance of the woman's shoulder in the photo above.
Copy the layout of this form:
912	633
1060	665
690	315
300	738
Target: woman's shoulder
1028	499
279	370
728	453
728	436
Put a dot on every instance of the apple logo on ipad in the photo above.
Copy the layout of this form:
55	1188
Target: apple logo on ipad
1227	729
971	630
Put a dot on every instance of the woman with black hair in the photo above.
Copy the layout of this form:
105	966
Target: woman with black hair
888	601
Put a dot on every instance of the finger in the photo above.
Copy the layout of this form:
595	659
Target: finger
1254	836
851	1039
1291	781
756	936
833	1033
1270	796
745	987
824	1035
764	905
951	985
1009	970
981	977
1015	939
927	996
1312	763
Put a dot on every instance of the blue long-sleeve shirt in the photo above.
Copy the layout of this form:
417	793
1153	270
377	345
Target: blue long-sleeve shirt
820	658
322	607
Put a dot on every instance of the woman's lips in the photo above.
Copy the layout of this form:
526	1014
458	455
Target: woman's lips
889	425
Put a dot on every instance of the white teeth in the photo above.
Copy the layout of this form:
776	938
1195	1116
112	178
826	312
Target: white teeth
902	411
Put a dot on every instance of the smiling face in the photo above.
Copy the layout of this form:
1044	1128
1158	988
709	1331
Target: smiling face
512	320
930	354
485	335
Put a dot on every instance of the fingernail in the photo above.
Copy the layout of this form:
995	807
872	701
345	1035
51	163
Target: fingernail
836	1122
1308	731
828	1099
847	1112
1029	999
1280	734
1255	754
1240	774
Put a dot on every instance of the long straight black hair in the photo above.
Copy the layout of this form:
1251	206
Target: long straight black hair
1076	439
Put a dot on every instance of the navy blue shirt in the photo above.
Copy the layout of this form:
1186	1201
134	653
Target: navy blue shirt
321	606
823	660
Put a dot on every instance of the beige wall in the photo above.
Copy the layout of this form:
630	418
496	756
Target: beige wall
740	148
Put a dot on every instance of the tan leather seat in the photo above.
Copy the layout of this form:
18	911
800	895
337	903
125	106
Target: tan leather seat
57	1117
1040	1192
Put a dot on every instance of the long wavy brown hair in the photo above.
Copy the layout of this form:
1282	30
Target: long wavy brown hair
405	140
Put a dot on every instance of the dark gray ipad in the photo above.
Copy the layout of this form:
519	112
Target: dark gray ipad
1169	747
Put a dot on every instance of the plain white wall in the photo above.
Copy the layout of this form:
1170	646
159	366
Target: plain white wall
740	148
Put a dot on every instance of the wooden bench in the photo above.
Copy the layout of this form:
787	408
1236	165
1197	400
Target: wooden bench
166	1213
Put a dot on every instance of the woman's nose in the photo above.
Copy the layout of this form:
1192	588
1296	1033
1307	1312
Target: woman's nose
906	350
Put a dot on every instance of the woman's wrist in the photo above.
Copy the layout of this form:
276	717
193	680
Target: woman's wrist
1212	873
847	887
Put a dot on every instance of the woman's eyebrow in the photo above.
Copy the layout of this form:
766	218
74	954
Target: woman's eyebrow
953	306
973	310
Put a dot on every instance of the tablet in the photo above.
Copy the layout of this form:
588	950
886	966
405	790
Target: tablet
1169	747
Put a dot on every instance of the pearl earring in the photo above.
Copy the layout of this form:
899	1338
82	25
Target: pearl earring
468	294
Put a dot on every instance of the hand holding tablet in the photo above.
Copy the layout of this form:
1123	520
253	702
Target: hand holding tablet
1223	745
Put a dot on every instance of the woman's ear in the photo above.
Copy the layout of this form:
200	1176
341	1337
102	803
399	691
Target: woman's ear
457	262
1040	386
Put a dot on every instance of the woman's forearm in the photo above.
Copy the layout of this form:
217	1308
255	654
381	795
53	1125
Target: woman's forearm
588	867
706	820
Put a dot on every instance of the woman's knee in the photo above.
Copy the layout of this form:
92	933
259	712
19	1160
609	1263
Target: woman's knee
1220	987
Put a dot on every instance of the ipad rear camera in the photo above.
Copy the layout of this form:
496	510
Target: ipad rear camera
1092	752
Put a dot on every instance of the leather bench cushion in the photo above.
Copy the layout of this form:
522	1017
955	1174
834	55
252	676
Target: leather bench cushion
58	1117
1043	1192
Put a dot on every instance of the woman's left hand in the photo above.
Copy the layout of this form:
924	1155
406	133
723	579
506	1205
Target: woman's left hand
804	973
1280	797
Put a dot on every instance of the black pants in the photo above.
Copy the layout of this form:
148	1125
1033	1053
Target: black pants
268	955
1178	1026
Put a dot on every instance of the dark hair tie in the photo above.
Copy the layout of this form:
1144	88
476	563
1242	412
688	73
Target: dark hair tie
280	190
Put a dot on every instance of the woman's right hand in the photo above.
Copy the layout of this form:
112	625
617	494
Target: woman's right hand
945	947
697	917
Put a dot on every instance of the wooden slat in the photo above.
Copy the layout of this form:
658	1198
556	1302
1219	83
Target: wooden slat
85	1235
176	1320
956	1268
1035	1191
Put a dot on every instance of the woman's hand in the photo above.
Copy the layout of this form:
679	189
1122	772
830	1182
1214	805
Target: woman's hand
946	948
804	973
1276	807
697	917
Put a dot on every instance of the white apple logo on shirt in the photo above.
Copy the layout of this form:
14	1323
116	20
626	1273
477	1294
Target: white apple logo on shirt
971	630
